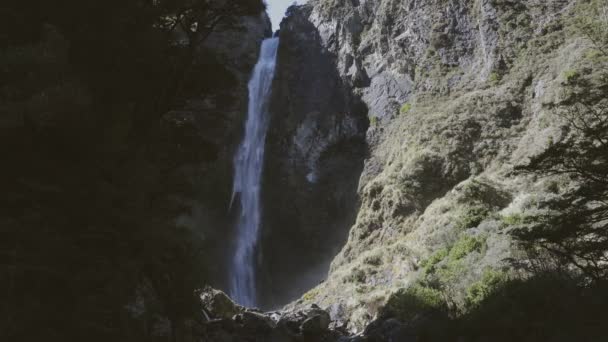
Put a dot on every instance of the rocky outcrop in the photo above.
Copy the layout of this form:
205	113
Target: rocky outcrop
230	322
222	320
315	151
458	94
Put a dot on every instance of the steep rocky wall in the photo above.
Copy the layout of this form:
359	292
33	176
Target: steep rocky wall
315	151
459	93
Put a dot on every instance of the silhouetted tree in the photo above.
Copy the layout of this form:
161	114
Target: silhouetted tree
85	214
574	229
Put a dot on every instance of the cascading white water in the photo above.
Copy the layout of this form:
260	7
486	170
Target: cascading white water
249	162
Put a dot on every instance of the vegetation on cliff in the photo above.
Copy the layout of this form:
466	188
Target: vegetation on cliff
486	172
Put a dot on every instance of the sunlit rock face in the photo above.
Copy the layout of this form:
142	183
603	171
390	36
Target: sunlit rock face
451	96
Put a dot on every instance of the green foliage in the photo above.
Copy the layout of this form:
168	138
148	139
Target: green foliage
494	78
373	121
443	270
513	219
466	245
446	263
592	21
472	217
594	55
491	281
571	75
414	300
310	295
480	193
448	274
429	265
405	108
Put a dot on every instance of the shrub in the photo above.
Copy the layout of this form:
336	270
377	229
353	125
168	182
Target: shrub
310	295
465	245
472	217
405	108
374	259
494	78
490	282
407	303
429	265
570	75
357	276
448	274
513	220
373	120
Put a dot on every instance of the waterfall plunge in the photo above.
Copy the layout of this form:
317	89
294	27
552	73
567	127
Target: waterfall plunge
249	163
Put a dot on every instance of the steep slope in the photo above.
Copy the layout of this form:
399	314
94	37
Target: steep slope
458	93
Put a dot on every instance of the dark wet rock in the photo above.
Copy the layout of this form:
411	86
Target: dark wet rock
309	325
315	325
218	305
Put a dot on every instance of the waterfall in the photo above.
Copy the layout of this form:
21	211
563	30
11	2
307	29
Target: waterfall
249	163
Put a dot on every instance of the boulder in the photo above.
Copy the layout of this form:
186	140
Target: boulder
218	305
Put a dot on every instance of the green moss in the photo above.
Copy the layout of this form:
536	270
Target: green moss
407	303
405	108
490	281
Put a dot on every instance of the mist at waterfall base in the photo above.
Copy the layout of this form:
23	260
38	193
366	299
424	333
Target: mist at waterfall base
248	168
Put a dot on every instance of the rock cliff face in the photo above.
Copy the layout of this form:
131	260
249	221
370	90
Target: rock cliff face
315	151
457	94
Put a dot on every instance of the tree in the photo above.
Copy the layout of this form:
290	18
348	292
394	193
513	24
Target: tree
87	214
574	230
